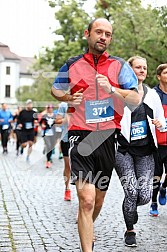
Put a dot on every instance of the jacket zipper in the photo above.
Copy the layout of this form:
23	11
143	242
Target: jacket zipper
97	89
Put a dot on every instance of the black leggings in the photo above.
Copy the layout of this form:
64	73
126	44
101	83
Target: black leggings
18	137
4	137
136	175
160	158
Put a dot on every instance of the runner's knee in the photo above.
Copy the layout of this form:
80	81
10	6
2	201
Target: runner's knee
86	203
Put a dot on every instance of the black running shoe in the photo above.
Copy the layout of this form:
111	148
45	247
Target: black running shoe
130	239
21	151
93	244
5	151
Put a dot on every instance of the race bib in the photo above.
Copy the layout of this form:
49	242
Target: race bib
138	130
5	126
18	127
99	111
165	129
49	132
58	129
28	125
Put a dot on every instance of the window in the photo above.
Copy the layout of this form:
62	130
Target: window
8	70
7	90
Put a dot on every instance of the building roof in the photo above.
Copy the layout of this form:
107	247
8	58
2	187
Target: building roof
25	62
6	53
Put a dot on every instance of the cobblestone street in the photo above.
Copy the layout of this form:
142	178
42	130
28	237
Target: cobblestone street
35	217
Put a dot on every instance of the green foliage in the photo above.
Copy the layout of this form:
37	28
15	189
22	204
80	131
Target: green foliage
72	19
136	31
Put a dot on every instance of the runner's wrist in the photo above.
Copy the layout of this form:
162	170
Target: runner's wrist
69	98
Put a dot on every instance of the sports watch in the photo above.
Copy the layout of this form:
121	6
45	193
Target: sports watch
112	90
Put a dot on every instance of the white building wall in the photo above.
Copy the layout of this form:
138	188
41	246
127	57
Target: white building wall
15	79
0	82
12	79
26	81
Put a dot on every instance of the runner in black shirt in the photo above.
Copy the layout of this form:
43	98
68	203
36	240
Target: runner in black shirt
26	123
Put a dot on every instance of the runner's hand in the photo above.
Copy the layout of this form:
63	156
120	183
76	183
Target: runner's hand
157	123
104	82
76	98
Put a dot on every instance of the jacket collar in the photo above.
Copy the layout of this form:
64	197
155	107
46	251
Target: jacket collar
90	57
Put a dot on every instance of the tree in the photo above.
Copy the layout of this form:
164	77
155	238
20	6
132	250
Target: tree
136	31
72	19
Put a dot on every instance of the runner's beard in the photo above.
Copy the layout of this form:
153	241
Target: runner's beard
99	49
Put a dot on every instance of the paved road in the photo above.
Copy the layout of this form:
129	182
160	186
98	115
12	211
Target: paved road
34	216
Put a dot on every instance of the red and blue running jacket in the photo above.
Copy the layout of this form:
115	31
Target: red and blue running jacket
98	109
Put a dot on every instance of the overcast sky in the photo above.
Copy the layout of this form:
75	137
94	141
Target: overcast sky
27	25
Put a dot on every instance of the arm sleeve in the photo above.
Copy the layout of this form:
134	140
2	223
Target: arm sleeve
127	78
158	111
61	82
19	118
42	120
11	116
62	109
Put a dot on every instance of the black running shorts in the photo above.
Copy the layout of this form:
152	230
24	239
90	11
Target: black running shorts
65	148
27	136
92	157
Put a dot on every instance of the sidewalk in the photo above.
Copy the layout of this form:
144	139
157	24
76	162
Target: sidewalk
34	216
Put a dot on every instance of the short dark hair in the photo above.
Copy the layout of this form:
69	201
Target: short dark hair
160	68
91	24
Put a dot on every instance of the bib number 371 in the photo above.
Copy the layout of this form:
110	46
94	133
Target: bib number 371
99	111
